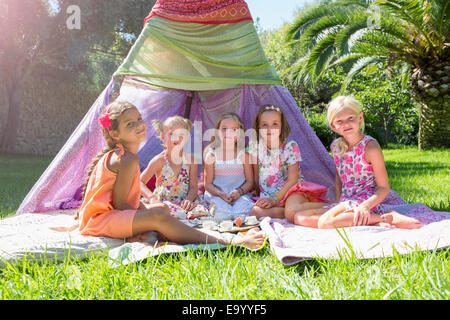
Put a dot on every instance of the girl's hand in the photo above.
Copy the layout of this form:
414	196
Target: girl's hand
265	203
234	195
226	197
187	205
361	216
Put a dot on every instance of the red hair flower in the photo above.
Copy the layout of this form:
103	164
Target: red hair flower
104	121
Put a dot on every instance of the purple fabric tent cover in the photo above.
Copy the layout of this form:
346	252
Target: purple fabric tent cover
60	185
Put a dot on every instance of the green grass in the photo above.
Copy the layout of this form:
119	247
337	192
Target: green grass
18	173
235	273
420	176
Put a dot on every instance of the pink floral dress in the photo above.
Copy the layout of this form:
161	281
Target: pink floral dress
273	172
172	189
358	180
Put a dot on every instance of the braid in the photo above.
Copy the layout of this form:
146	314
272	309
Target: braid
114	110
111	145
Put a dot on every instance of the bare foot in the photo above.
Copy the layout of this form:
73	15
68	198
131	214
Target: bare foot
252	239
402	221
64	229
387	221
138	238
250	231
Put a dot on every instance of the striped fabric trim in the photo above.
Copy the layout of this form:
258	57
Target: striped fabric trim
229	171
202	11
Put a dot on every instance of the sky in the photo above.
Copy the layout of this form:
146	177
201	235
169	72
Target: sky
273	13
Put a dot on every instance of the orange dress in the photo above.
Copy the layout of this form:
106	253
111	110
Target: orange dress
97	214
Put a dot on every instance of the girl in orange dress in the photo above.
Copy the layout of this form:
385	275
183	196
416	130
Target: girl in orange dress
111	204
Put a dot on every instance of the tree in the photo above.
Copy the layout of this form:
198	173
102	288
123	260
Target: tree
24	37
358	33
36	32
283	57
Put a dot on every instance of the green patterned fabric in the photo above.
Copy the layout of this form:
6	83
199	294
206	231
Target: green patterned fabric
193	56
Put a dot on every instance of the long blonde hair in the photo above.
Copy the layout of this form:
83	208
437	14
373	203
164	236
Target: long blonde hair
159	126
336	105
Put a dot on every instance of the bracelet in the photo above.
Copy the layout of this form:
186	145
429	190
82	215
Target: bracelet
275	198
241	190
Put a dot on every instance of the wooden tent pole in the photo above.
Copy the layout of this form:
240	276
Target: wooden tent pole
187	111
115	90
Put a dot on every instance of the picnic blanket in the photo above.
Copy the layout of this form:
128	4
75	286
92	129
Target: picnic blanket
32	236
291	243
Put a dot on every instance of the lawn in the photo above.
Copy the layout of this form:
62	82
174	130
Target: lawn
235	273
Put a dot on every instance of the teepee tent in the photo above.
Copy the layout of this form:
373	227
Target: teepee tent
194	58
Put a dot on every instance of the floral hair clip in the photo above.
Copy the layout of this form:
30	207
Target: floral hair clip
104	121
272	107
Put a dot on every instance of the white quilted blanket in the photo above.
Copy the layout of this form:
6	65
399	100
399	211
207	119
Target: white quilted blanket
30	235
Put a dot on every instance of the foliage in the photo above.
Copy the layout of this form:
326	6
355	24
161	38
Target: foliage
35	33
283	57
318	122
357	34
280	55
390	112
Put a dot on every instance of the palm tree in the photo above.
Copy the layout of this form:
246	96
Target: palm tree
359	33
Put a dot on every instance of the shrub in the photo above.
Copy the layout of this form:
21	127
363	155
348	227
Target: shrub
389	110
318	122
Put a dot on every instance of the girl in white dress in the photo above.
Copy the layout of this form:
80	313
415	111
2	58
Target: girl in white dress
227	169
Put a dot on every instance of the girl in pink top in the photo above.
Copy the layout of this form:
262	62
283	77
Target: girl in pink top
361	177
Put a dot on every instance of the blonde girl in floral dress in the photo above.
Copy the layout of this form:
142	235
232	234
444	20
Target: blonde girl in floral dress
361	177
278	178
176	172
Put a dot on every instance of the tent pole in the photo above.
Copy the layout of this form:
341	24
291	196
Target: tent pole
187	111
115	90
